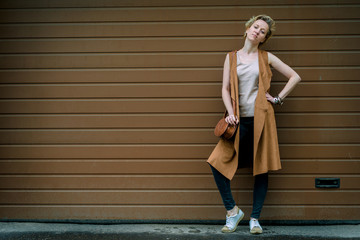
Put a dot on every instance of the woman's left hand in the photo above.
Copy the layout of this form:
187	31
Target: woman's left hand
270	98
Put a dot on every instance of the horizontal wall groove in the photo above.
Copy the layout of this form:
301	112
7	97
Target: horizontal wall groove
166	21
173	205
127	84
151	68
159	99
221	37
176	53
215	190
235	36
134	4
252	5
169	144
105	69
142	160
130	84
104	175
164	129
158	114
157	52
240	22
160	176
162	69
186	36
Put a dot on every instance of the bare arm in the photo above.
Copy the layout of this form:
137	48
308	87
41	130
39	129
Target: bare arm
288	72
226	92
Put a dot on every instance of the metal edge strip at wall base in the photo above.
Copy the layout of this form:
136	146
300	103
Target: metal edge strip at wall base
173	221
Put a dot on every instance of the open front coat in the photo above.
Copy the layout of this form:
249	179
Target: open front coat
266	149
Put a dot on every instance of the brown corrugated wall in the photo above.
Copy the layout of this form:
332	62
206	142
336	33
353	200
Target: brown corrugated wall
107	108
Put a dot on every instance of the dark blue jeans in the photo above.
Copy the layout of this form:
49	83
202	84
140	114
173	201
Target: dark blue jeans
245	160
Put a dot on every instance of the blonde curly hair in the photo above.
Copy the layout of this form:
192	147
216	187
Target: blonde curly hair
265	18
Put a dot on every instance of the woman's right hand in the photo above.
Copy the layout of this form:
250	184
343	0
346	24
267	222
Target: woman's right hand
231	119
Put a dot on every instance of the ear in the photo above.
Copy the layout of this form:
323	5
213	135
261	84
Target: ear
245	33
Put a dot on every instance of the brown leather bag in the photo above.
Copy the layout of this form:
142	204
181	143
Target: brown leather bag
224	129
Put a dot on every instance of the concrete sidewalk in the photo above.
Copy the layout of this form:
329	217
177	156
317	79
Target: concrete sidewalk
56	231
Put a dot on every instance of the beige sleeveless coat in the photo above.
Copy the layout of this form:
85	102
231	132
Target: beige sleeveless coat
266	149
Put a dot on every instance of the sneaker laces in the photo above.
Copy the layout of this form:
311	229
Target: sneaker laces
255	223
229	222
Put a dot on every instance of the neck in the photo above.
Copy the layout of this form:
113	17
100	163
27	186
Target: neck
249	47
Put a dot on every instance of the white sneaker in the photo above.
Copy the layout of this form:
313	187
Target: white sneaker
255	227
232	222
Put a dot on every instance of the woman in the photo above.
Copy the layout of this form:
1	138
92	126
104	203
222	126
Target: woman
246	82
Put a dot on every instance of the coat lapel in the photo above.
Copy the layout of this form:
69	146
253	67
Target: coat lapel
261	104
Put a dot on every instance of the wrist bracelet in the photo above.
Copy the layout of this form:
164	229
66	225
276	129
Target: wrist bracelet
278	100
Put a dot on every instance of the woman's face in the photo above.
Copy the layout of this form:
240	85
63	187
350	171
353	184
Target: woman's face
257	32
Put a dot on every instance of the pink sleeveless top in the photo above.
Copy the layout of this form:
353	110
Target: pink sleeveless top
248	75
